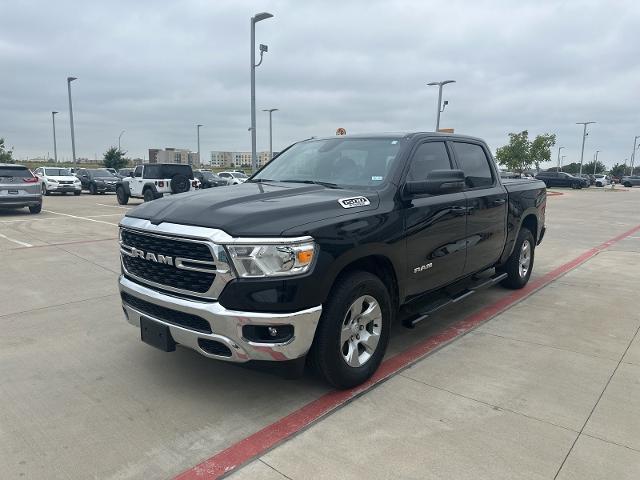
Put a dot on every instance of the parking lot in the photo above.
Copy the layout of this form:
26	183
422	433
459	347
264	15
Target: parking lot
547	387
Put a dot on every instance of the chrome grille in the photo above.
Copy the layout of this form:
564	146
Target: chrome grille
186	266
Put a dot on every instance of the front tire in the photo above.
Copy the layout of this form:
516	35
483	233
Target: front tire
353	332
520	263
92	189
45	191
77	192
628	185
122	196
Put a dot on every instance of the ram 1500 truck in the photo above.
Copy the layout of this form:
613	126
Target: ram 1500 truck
320	250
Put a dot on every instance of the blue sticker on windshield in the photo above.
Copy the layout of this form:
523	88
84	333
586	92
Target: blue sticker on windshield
376	178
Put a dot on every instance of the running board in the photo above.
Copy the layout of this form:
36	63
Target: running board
447	299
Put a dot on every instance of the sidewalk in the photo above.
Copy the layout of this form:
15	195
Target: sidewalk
548	389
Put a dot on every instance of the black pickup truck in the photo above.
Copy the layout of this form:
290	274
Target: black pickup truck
318	252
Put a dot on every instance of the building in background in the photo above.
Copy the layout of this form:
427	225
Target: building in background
174	155
221	159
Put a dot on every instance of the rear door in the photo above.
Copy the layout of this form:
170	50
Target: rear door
434	225
486	205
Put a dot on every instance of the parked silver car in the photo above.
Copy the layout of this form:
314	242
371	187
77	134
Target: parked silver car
631	181
19	188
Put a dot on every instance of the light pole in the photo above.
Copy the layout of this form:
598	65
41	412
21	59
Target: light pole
595	161
584	136
263	48
55	148
270	110
559	148
562	161
198	135
119	137
633	154
73	139
440	106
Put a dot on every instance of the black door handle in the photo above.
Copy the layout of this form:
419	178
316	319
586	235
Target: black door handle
459	211
498	202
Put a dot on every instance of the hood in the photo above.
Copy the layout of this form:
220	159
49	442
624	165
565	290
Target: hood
253	209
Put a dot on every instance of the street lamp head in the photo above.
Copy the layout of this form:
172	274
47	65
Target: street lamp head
71	79
53	113
258	17
269	109
199	125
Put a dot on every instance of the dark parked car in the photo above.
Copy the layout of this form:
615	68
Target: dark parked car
630	181
124	172
589	178
210	179
562	179
319	251
98	180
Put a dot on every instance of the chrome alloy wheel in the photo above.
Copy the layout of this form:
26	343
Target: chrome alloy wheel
361	330
525	259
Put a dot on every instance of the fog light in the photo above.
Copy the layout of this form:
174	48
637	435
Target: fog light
268	334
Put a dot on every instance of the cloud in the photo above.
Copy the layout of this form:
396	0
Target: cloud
157	69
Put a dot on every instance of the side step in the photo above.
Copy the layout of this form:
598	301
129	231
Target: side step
445	299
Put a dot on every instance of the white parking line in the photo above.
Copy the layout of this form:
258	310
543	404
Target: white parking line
113	206
30	220
81	218
106	215
24	244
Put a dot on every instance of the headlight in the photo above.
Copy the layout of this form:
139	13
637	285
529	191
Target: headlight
272	260
76	180
51	180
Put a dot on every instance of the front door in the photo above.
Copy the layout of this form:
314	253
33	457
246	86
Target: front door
434	225
135	184
486	206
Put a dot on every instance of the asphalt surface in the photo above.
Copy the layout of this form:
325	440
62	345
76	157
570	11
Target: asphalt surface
82	397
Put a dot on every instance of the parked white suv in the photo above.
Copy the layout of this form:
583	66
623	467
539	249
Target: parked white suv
155	180
233	178
602	180
55	179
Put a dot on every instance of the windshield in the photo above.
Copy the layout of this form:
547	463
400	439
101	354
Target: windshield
103	172
362	162
57	172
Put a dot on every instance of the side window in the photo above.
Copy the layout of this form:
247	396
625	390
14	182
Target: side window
138	171
474	163
428	157
224	175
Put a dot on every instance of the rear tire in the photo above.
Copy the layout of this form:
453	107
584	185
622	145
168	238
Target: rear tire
520	263
148	195
628	185
353	331
122	196
36	209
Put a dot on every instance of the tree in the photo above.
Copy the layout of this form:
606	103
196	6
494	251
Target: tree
521	154
114	158
618	170
6	156
588	167
572	168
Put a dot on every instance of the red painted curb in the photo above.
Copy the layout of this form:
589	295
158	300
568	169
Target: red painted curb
260	442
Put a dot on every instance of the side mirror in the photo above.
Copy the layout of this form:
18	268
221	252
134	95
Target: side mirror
437	183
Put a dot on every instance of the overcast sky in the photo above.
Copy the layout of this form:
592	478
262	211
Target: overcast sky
155	69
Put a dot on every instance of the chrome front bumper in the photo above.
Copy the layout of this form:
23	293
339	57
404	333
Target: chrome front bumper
226	326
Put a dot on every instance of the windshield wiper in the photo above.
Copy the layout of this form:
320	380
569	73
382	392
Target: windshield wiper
260	180
313	182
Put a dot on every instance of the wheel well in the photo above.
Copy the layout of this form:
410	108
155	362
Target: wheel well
530	222
381	267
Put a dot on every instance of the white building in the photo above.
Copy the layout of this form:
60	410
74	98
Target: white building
221	159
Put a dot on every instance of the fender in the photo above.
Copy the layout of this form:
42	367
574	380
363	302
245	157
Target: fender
153	188
514	230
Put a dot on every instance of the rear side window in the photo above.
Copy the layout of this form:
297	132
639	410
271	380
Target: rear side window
17	172
474	163
428	157
167	171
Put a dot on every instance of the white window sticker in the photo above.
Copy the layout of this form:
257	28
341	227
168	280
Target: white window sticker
376	178
393	142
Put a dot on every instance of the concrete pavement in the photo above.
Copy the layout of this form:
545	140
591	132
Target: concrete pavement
83	398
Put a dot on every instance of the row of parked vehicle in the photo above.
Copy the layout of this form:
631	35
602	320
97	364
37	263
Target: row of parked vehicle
20	187
564	179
